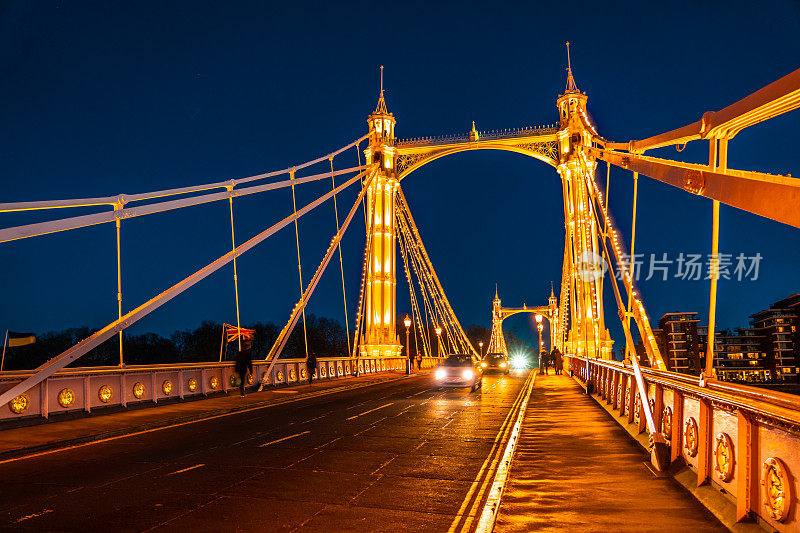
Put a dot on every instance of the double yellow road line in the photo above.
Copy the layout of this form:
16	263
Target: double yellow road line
492	474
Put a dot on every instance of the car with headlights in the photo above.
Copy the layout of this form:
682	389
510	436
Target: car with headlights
459	370
495	362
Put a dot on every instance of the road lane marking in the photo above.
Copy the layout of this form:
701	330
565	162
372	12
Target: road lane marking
186	469
34	515
418	393
282	391
490	461
312	419
283	439
492	505
329	442
384	464
370	411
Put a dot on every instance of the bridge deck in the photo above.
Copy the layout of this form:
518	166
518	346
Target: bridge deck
575	469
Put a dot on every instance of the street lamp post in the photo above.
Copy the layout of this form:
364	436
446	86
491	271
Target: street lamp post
407	322
481	345
540	327
439	336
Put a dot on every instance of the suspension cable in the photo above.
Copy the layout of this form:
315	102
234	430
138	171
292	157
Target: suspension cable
235	274
362	301
437	307
430	316
341	262
632	269
458	331
299	266
411	292
127	198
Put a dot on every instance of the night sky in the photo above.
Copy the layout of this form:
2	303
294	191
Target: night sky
102	98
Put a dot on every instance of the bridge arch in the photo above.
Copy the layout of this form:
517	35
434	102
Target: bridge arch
410	158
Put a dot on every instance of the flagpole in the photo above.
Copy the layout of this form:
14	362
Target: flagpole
2	362
222	342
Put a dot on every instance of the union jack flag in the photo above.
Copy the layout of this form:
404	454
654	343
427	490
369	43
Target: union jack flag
233	333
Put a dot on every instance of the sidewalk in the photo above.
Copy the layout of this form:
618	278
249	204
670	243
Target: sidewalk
575	469
19	441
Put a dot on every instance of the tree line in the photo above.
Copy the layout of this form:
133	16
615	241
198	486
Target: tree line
326	337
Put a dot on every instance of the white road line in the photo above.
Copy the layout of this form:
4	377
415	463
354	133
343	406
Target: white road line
34	515
312	419
489	463
185	469
492	505
371	410
283	439
329	442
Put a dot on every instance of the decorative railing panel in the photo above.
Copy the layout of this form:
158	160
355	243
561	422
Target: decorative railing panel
745	440
87	389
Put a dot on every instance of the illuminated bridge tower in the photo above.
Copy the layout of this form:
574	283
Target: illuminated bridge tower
497	342
587	334
380	334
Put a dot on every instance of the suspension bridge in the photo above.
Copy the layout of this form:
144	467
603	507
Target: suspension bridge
724	438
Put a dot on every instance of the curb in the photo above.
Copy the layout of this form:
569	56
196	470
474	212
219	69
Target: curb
56	445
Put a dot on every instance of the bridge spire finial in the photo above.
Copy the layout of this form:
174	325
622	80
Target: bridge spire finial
495	292
380	109
571	87
552	294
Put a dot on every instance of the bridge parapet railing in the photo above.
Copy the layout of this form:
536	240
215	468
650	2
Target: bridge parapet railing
482	136
91	388
744	440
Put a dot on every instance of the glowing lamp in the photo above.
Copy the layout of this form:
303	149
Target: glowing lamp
539	319
407	321
438	330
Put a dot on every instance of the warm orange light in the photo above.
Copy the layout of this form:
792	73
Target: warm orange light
407	321
539	319
438	330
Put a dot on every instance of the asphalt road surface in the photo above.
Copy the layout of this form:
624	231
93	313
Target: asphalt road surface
398	456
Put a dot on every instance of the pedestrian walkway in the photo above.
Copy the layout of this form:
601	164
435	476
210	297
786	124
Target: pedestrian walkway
59	433
576	469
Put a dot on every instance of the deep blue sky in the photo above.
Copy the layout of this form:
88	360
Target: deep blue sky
101	98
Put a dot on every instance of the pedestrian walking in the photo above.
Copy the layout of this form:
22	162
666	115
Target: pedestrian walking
244	363
419	362
558	361
311	366
544	362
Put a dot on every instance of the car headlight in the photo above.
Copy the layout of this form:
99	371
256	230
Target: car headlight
519	362
440	373
483	365
502	365
468	374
